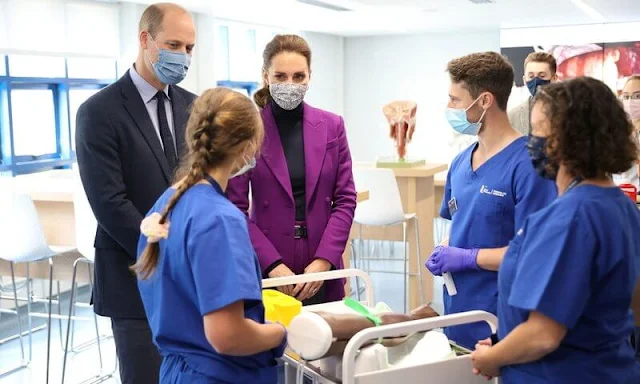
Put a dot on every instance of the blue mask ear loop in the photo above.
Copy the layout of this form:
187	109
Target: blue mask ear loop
484	111
146	54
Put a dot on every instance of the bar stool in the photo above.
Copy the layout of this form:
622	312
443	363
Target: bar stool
85	228
22	240
384	208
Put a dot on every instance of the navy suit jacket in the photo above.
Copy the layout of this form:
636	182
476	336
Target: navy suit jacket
123	170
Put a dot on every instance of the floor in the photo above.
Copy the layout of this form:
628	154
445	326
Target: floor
85	364
81	367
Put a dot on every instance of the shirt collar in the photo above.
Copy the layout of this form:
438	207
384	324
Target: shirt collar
146	90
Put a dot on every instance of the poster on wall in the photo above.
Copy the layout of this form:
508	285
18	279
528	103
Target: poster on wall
612	63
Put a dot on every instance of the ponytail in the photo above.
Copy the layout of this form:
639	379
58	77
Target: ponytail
262	97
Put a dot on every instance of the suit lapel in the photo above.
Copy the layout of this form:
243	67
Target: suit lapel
315	147
138	112
273	154
180	117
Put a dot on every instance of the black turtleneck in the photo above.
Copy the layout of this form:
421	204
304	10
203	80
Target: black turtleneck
290	128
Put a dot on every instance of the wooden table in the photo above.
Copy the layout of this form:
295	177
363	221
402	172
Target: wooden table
417	191
52	194
439	182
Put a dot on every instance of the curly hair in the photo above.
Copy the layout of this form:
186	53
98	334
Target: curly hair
590	132
484	72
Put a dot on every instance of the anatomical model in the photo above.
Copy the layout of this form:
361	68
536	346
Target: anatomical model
401	116
337	329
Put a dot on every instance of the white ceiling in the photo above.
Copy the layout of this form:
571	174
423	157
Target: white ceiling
375	17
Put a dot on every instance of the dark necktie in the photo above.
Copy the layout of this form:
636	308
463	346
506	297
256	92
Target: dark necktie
165	133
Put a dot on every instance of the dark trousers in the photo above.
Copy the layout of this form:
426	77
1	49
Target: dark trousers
138	358
635	342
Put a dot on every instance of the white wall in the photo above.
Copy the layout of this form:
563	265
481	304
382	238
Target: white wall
327	78
382	69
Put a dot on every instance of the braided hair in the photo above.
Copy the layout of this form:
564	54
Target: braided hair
223	126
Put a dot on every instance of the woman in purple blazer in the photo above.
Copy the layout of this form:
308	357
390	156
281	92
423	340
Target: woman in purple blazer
303	195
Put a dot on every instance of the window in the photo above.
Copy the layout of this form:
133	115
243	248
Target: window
76	98
36	66
72	53
76	27
34	134
222	53
238	58
90	28
91	68
39	100
243	62
35	25
3	21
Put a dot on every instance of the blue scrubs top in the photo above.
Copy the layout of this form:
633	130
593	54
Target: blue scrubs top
206	264
487	205
574	262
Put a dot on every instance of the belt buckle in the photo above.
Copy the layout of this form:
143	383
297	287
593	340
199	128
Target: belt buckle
299	231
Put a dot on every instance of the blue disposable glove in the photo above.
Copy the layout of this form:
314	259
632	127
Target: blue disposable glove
279	350
451	259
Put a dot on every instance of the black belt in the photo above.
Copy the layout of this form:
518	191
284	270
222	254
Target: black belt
299	231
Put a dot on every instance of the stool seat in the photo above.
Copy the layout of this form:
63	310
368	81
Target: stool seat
384	208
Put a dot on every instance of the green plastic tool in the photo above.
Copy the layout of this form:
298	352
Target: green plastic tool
361	309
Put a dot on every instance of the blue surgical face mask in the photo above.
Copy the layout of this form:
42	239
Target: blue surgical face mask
537	147
534	83
457	118
171	67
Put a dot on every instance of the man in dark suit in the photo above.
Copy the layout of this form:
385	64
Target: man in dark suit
129	138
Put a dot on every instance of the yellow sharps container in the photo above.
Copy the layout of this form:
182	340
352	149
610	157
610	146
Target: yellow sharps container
279	307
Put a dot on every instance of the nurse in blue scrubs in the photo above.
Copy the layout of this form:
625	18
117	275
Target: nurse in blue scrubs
491	188
201	285
567	279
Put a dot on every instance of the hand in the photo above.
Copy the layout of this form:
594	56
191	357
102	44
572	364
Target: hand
279	350
152	229
482	363
451	259
283	271
307	290
445	242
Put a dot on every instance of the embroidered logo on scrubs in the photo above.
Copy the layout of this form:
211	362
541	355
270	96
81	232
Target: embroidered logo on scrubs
493	192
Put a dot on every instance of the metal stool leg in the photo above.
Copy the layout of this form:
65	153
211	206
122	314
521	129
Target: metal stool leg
418	263
23	362
49	318
71	301
101	376
95	319
59	296
29	292
15	302
355	265
405	262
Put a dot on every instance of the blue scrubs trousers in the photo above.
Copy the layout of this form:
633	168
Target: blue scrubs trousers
174	370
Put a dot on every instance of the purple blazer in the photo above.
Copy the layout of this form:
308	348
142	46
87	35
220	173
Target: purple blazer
330	195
